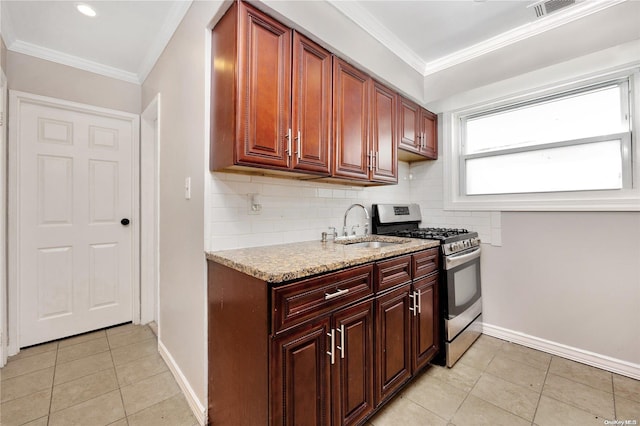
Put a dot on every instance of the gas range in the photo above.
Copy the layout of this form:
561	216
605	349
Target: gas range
402	220
460	293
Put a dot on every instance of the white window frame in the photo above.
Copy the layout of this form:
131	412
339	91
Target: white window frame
626	199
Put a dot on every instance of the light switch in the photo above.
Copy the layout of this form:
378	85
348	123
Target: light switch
187	188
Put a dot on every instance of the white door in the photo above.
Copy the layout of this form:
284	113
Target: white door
75	196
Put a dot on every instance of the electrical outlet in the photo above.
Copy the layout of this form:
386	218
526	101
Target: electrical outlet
254	204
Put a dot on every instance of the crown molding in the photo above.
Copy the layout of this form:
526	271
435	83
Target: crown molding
549	22
365	20
360	16
52	55
173	19
171	23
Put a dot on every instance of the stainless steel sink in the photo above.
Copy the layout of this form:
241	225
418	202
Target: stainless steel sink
374	244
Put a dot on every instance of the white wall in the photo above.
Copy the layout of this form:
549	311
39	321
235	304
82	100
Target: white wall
569	278
41	77
180	77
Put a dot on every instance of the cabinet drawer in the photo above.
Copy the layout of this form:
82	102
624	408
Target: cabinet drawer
425	262
390	273
300	301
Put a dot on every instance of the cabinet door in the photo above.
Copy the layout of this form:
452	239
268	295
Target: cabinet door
350	121
425	330
311	106
429	137
353	371
409	125
384	133
264	90
300	376
393	342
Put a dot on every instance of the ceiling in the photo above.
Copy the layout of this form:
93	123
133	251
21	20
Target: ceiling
126	38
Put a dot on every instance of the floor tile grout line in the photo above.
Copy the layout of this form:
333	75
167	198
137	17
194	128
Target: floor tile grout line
544	382
53	381
124	410
93	397
80	343
13	358
489	402
484	370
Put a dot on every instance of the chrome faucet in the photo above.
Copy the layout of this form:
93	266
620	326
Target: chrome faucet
366	213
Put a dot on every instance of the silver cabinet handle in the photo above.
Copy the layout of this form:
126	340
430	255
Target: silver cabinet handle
415	305
289	142
299	140
332	352
375	160
338	292
341	347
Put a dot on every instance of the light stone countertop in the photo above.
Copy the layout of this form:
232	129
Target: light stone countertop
286	262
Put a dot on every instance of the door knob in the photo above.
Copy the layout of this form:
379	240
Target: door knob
125	221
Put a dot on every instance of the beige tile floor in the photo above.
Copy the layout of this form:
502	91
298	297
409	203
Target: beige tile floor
116	377
108	377
501	383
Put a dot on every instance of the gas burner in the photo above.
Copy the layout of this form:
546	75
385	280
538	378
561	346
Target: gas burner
404	221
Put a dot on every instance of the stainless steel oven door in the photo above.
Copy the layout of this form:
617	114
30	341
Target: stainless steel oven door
464	301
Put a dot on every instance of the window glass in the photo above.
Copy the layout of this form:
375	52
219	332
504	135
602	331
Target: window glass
572	141
591	166
578	115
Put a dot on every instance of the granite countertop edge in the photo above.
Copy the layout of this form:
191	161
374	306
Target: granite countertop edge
287	262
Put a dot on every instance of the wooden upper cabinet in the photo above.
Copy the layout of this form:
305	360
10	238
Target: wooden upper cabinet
429	138
264	89
350	121
383	133
409	123
418	132
311	105
271	95
365	130
282	102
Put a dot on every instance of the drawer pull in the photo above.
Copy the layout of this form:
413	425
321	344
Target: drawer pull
338	292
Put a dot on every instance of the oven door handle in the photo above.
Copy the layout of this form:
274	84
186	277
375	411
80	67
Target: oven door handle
451	262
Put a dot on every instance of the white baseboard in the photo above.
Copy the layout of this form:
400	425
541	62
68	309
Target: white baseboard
194	403
604	362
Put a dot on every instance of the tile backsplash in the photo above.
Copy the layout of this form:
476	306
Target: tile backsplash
294	210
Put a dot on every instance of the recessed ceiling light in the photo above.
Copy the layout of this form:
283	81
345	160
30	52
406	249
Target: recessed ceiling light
85	9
